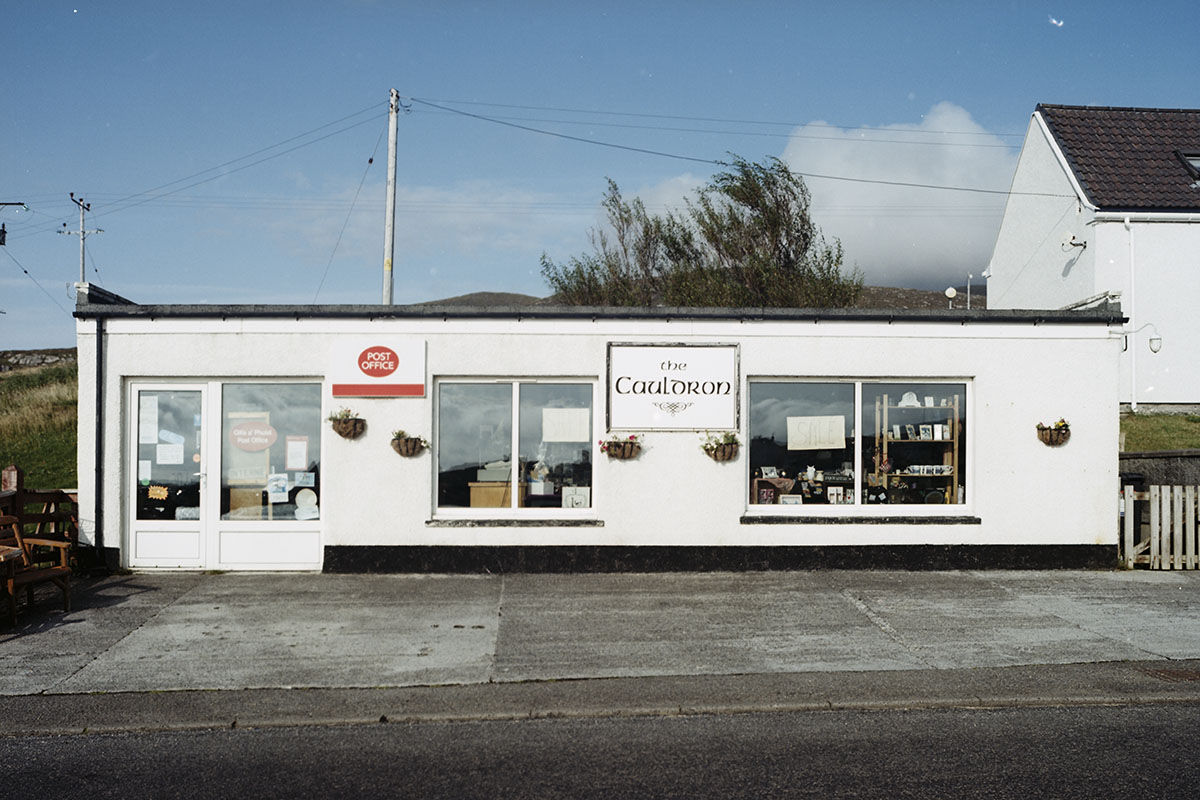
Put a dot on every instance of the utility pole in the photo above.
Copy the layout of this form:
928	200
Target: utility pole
81	233
389	221
3	230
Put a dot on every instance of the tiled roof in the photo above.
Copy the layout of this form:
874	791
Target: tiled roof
1127	159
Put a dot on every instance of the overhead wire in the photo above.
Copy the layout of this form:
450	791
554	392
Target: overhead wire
155	193
35	280
346	222
729	120
715	162
789	136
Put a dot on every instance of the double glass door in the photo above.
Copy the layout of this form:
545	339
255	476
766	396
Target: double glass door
224	475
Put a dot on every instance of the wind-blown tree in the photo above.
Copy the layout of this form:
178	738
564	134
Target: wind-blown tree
746	240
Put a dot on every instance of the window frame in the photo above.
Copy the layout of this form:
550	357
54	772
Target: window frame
512	511
859	509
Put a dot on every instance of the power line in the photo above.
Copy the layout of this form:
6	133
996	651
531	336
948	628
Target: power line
148	195
35	281
698	119
568	136
767	134
346	222
664	154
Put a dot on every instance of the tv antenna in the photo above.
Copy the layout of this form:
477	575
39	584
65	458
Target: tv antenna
82	233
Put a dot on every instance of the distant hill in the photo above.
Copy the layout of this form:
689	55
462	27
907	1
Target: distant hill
883	297
15	359
888	297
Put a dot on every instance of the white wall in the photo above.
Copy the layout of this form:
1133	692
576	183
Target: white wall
1164	291
1031	267
1022	491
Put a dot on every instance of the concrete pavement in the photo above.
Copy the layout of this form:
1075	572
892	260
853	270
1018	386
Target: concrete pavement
186	650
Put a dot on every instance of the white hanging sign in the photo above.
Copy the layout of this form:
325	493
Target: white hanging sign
672	387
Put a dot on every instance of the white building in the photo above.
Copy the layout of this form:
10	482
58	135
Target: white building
1107	201
866	436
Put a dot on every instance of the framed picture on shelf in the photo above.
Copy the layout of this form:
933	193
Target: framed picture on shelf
766	495
770	472
895	431
911	431
791	499
926	431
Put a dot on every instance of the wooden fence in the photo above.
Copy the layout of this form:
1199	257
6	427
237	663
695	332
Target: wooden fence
1159	527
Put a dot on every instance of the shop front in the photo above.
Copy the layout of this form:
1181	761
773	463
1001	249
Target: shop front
537	435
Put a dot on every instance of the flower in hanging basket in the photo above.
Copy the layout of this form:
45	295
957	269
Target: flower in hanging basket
406	445
622	447
1056	434
721	446
347	424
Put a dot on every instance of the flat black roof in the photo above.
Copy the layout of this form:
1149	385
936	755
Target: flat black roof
94	302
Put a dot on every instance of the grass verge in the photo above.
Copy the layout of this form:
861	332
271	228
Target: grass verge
38	424
1146	433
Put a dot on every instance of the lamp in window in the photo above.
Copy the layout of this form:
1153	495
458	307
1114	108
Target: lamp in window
1155	340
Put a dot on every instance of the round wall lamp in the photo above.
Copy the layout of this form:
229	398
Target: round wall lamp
1155	341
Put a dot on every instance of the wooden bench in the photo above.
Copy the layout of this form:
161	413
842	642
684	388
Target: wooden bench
31	567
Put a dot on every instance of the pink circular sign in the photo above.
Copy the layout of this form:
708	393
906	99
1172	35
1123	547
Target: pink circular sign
252	436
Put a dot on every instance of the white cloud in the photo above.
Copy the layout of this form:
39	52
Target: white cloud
904	235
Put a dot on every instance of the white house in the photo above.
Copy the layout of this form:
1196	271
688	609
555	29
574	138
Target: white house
865	436
1104	202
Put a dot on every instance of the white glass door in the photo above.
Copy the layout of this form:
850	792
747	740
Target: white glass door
167	467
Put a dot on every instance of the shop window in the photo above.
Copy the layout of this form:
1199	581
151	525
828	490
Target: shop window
913	443
547	425
857	443
271	451
801	443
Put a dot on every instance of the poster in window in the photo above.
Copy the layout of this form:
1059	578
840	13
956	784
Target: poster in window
297	453
816	433
566	425
245	461
148	419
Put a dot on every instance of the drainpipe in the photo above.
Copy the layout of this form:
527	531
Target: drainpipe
1132	323
98	491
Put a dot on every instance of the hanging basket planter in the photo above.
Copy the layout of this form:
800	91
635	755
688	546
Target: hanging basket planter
1053	435
623	451
408	446
349	427
723	452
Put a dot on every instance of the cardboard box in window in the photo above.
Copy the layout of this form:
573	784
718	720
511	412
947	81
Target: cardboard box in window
576	497
492	474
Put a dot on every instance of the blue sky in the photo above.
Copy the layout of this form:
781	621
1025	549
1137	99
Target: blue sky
222	146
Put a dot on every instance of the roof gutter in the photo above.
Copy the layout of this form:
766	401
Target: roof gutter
1126	217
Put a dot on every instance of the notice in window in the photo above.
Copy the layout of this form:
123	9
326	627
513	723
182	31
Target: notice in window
148	419
169	454
566	425
297	453
816	433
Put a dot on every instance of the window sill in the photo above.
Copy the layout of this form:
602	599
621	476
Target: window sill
514	522
778	519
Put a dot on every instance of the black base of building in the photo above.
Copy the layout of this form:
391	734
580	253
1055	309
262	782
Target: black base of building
568	559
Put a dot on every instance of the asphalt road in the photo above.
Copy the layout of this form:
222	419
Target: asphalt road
1062	752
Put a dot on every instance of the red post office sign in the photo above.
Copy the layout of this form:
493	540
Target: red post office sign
381	367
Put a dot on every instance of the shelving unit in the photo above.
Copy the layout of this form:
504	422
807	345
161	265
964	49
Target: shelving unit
909	453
